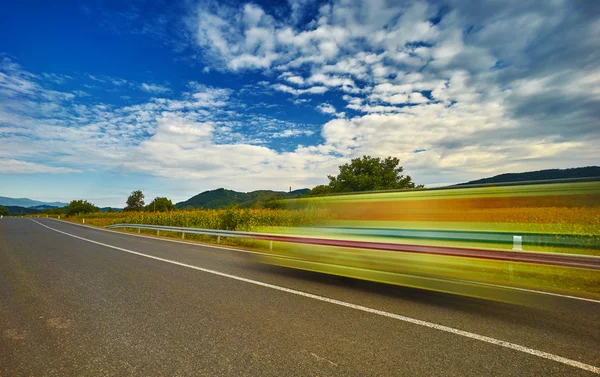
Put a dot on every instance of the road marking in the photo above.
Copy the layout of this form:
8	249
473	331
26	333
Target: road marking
267	254
534	291
382	313
124	233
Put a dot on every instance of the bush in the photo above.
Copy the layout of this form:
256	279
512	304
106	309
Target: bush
77	207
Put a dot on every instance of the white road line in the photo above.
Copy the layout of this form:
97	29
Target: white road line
382	313
534	291
259	253
125	233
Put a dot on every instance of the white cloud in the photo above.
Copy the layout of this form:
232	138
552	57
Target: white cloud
10	166
96	78
298	80
312	90
492	87
197	137
292	133
326	108
154	88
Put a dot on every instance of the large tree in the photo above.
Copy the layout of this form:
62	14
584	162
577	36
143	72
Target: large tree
370	174
135	201
160	204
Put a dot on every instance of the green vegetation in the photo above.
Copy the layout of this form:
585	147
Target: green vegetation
320	190
584	172
367	174
135	201
160	204
4	211
78	207
55	211
221	198
17	210
227	219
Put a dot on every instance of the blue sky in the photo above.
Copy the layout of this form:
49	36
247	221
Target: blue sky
101	98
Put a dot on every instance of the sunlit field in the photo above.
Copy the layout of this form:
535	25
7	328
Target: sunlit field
225	219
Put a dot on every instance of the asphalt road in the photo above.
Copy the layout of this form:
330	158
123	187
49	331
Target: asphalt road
73	307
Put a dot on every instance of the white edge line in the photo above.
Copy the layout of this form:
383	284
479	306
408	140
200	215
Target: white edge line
267	254
124	233
382	313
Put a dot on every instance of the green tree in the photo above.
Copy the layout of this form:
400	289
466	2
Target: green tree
370	174
160	204
135	201
77	207
54	211
272	202
4	211
319	190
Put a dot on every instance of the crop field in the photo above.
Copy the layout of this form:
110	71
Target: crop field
225	219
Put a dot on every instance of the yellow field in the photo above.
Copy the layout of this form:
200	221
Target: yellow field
226	219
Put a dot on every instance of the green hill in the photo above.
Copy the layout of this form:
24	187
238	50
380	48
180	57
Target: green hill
221	198
538	175
18	210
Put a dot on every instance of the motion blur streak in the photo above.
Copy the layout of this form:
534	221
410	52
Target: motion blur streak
555	219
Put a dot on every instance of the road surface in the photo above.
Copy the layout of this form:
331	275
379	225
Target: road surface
81	301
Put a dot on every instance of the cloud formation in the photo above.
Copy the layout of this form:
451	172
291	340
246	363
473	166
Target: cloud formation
475	88
154	88
457	78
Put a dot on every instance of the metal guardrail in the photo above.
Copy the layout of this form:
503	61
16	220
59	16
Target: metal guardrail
554	259
529	239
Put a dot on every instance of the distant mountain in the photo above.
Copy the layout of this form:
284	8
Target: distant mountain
43	207
221	197
106	209
24	202
538	175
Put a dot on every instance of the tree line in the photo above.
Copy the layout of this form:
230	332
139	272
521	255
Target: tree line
135	202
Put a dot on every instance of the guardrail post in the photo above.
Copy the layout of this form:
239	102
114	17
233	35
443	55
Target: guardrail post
517	243
83	220
59	217
218	239
157	232
183	236
139	229
517	246
271	245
